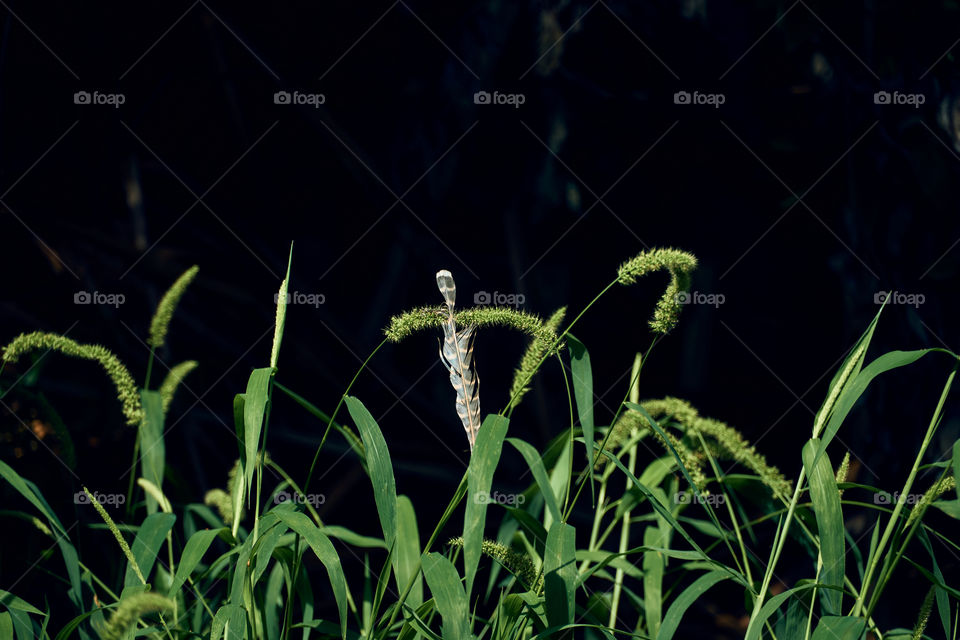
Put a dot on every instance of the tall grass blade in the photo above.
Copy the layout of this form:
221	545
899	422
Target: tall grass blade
483	462
689	595
152	447
839	628
560	574
152	533
582	374
380	468
449	596
193	552
535	463
826	507
255	401
408	550
325	552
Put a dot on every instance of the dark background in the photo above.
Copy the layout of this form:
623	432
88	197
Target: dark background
399	173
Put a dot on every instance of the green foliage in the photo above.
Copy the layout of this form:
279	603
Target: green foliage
168	306
658	528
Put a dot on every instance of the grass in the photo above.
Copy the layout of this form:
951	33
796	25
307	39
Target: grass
675	505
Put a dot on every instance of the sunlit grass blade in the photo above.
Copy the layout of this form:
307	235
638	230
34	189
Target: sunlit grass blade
854	389
408	550
560	574
826	507
255	401
483	461
448	594
152	533
325	552
582	375
380	468
839	628
686	598
193	552
535	463
152	446
653	567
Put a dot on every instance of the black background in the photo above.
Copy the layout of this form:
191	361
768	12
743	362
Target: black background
399	173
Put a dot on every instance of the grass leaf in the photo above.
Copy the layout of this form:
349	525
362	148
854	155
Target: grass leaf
448	594
560	574
483	461
826	507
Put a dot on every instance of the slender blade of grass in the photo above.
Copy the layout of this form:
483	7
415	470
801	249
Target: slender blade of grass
146	545
535	463
582	374
483	462
448	594
826	507
408	550
255	401
193	552
325	552
689	595
839	628
380	467
560	574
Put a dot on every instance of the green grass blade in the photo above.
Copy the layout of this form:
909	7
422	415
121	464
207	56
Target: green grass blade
839	628
826	507
770	606
560	574
11	601
408	550
448	594
152	447
193	552
146	545
535	462
845	375
854	389
689	595
582	374
380	467
255	401
483	461
325	552
653	566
